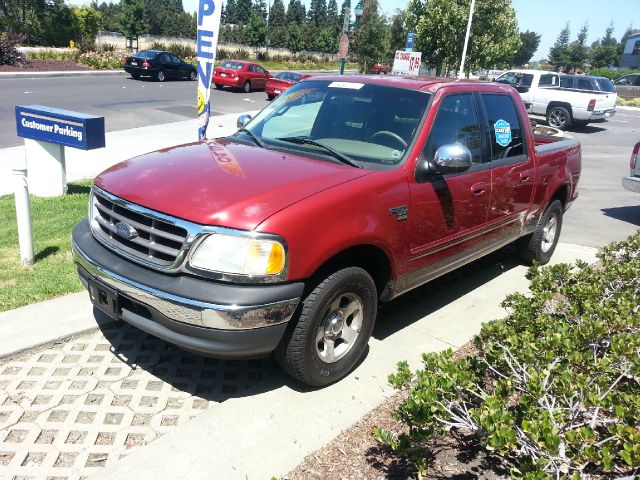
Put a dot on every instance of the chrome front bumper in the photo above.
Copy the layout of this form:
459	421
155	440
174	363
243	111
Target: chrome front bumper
186	310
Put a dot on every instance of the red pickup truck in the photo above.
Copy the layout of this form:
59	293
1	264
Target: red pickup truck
342	193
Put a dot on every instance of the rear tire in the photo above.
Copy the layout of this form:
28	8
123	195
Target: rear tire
246	87
332	329
193	75
540	245
160	76
559	117
135	76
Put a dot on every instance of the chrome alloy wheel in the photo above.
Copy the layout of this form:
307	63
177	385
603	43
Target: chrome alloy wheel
557	118
549	234
339	328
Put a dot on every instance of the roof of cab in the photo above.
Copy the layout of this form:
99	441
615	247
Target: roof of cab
416	83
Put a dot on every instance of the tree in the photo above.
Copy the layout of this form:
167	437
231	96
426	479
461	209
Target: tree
440	31
230	17
559	55
86	22
278	36
317	14
294	40
370	38
260	7
578	51
296	13
530	42
333	17
256	33
43	22
109	16
605	53
310	34
277	14
243	11
327	40
131	19
397	33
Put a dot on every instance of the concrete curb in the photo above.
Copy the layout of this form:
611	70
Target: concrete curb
71	73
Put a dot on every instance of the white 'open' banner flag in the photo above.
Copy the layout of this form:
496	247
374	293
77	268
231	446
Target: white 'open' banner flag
207	41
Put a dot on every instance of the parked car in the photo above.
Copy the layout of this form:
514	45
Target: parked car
380	68
283	80
628	86
159	65
239	74
587	83
347	192
632	182
542	94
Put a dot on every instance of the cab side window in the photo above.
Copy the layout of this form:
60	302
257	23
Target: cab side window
548	80
503	124
456	122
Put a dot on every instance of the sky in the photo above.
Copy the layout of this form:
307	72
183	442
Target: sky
545	17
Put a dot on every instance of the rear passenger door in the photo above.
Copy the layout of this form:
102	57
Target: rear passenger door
513	172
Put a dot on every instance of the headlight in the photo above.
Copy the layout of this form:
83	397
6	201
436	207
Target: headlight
239	255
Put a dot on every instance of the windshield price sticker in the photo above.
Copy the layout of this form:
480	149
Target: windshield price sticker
351	85
503	133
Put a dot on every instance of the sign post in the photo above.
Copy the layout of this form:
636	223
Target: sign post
209	12
343	50
46	132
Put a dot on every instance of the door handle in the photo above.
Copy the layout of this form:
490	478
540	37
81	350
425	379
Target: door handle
525	177
478	189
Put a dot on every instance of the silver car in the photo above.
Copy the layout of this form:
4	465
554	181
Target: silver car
632	182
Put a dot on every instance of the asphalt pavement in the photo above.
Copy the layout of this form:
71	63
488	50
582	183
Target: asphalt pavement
124	102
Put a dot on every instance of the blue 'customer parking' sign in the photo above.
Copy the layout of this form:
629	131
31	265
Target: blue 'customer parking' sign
72	129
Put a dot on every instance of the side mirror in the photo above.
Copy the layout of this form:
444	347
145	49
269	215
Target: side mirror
522	88
452	158
243	120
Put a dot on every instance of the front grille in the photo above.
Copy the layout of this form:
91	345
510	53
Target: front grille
158	242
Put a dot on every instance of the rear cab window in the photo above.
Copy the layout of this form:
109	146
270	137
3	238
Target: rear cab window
549	80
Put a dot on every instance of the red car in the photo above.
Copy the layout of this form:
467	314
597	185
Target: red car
278	84
239	74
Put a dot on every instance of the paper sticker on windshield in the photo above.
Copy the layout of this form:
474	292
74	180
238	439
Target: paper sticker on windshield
351	85
503	133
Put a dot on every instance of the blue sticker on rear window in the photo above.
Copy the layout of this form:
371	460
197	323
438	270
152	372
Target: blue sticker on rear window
503	133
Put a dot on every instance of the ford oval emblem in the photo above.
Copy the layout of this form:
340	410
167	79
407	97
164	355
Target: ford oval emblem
126	231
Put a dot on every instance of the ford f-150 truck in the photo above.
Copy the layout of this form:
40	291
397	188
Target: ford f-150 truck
342	193
564	100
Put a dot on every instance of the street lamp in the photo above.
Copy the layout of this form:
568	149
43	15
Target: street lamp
358	11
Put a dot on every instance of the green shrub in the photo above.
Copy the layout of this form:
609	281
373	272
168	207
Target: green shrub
612	74
9	55
634	102
183	51
103	60
554	388
54	55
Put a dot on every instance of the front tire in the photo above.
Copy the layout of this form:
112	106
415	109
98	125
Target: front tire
270	96
160	76
540	245
247	87
559	117
218	86
332	329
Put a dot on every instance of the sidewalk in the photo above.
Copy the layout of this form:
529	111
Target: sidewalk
121	145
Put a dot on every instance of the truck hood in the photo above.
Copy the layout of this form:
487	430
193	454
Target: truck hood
222	183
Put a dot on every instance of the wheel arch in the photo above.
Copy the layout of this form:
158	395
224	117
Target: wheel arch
371	258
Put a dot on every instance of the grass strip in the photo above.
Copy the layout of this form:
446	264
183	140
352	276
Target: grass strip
53	273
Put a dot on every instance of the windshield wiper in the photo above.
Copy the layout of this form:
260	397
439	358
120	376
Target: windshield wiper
253	136
334	153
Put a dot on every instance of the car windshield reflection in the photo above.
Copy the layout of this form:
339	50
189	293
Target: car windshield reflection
368	123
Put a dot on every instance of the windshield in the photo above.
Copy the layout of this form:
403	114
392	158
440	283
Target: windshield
370	124
516	78
233	65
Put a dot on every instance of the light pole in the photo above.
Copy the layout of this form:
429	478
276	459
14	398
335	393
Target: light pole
268	18
345	31
466	40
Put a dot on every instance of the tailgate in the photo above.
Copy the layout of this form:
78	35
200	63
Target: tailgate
606	101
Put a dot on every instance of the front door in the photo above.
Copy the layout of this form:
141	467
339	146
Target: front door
449	213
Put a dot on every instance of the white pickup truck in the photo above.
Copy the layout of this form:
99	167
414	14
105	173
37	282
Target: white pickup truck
544	93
